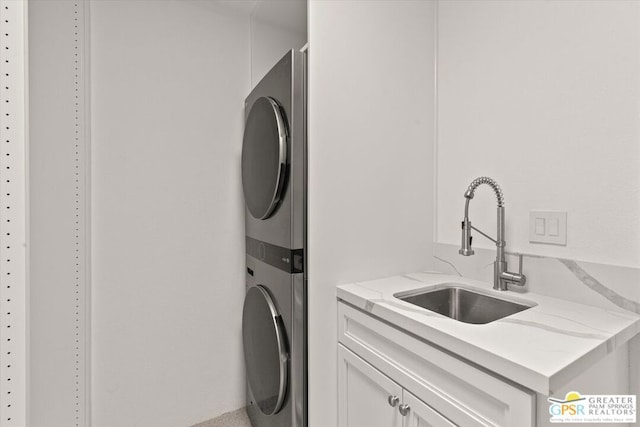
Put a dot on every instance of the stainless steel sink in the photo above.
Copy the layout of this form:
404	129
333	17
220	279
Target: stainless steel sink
463	304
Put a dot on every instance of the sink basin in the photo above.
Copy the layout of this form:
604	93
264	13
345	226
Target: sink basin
464	304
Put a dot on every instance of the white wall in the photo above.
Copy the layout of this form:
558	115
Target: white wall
277	26
370	201
14	258
168	83
544	97
58	215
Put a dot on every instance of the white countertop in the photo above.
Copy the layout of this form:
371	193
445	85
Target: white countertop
541	348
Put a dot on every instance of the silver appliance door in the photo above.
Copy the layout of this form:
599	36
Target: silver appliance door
265	350
264	157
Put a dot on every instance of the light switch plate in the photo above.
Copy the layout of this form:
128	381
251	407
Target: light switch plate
548	227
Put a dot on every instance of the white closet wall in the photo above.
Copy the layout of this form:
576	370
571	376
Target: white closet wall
58	219
13	212
168	84
151	334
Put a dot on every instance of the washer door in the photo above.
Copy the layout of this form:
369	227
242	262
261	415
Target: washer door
265	350
264	157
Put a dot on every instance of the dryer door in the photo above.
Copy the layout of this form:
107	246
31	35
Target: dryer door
265	350
264	157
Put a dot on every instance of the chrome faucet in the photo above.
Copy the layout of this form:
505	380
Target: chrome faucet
501	277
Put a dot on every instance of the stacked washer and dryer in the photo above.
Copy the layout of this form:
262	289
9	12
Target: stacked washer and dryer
274	186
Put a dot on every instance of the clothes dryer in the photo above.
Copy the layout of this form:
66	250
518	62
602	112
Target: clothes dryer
274	313
273	156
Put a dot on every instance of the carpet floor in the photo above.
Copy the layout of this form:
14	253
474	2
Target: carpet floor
230	419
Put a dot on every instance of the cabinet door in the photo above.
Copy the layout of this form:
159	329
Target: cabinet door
419	414
363	394
467	396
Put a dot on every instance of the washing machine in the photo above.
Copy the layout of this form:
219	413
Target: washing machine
274	183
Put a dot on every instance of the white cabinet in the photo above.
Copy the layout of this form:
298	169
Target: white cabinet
377	359
364	394
369	398
422	415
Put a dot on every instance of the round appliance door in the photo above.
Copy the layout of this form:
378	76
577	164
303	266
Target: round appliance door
264	157
265	350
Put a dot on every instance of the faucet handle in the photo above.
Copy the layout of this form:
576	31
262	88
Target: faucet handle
520	264
515	278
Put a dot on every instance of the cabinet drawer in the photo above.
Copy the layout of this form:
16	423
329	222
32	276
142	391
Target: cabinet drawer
464	394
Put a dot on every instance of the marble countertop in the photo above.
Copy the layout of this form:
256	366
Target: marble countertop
541	348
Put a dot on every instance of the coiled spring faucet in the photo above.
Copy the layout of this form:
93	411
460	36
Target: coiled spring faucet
501	277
